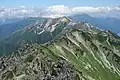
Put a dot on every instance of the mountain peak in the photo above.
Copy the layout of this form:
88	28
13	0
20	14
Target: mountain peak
86	48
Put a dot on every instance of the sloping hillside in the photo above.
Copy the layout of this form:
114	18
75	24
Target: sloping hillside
86	53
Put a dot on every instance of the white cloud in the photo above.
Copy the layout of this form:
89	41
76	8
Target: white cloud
56	11
59	9
22	6
64	10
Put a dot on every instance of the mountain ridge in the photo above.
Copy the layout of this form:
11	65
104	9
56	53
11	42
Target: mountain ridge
106	23
86	52
39	33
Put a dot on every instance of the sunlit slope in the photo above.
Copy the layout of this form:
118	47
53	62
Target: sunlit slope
93	52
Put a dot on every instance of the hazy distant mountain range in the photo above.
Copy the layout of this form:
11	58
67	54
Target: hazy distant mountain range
10	25
106	23
12	19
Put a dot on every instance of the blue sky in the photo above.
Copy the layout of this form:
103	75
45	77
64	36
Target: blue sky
44	3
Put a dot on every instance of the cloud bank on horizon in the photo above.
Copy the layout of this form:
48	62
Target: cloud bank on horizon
58	11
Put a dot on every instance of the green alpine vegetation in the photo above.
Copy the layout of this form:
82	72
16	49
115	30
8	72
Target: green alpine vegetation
63	49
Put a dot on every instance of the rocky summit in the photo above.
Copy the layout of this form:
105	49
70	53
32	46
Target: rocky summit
61	49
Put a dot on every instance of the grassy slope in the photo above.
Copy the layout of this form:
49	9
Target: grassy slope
86	54
94	53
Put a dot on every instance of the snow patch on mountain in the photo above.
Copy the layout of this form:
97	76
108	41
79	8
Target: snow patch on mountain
53	27
50	25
